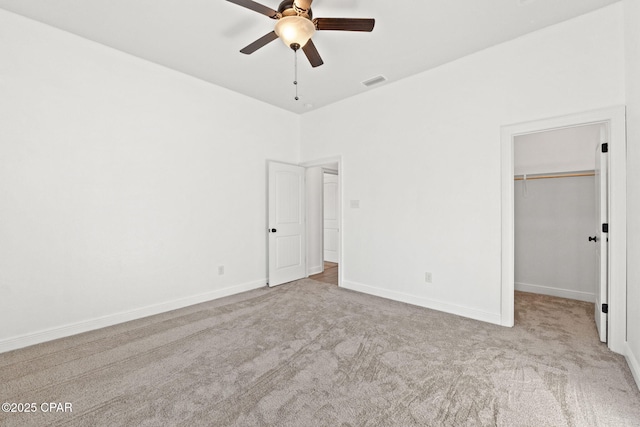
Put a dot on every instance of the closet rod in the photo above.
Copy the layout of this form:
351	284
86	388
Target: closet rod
550	176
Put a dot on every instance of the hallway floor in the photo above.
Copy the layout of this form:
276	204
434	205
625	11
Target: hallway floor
329	275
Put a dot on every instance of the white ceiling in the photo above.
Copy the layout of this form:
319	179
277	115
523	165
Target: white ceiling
202	38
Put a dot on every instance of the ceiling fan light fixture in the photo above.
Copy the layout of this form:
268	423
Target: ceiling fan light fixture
294	30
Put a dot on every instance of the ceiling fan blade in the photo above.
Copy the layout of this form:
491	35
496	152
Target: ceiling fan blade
262	41
313	56
344	24
256	7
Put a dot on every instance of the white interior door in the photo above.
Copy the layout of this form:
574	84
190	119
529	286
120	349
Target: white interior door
331	217
287	247
602	241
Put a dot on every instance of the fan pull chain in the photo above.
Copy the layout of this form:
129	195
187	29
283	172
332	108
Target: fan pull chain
295	68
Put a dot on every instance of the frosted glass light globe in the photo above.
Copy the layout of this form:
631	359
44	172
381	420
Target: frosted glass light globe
294	30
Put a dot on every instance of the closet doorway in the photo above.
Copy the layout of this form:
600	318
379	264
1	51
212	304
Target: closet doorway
559	246
613	119
554	212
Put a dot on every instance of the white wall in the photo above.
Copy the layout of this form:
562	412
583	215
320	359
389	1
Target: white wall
437	137
553	220
561	150
632	39
123	185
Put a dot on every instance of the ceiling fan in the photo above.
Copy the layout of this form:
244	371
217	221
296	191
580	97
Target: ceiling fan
296	26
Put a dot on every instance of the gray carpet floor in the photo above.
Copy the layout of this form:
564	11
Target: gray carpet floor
312	354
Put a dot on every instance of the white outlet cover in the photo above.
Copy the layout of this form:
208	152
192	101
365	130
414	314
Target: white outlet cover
355	204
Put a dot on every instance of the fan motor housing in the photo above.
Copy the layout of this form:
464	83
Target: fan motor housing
288	8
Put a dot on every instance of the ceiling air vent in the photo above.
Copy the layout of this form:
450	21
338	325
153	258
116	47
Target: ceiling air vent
374	81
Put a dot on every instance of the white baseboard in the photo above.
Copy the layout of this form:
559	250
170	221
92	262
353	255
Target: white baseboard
113	319
555	292
634	364
424	302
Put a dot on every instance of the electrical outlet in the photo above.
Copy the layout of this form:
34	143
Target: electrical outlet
427	277
220	270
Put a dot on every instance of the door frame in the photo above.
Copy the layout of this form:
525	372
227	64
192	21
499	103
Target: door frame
615	118
324	162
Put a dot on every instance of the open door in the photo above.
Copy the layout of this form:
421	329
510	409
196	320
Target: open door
601	239
287	246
